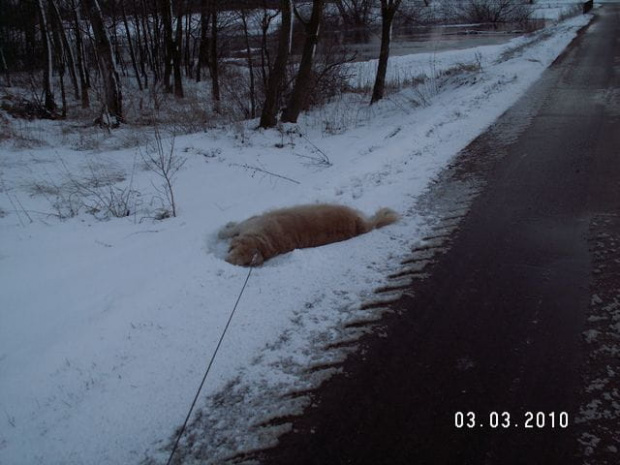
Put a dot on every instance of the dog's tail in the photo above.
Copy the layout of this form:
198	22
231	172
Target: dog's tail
383	217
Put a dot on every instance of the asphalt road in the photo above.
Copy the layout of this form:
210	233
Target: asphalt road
498	326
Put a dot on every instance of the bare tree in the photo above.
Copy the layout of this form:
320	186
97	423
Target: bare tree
60	57
302	86
169	43
214	66
64	45
166	164
48	92
141	48
269	115
113	105
356	15
150	43
176	56
208	48
132	54
388	10
84	84
203	47
243	15
495	11
265	23
5	68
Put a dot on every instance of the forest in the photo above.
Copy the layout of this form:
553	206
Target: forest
118	62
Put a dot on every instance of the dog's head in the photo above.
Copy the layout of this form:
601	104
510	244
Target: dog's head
244	251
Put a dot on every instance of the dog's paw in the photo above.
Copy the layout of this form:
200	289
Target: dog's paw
241	257
228	230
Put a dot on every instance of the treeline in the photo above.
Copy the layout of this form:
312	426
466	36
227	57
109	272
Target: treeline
84	48
95	51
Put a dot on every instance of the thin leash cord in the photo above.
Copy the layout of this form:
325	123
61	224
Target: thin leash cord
204	378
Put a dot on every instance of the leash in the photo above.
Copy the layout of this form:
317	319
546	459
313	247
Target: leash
204	378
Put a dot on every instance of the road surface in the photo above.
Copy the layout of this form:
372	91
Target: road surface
511	318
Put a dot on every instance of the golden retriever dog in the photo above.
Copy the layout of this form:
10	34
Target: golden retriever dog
275	232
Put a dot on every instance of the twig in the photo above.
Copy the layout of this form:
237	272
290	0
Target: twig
325	158
21	207
260	170
165	164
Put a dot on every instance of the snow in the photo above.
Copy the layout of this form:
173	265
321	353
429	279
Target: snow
556	9
106	327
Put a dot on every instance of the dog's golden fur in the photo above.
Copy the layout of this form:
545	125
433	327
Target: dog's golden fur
262	237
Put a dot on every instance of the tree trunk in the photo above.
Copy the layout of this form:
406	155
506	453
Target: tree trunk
172	49
132	54
302	87
142	49
176	56
214	67
264	51
203	48
61	57
63	93
6	68
248	50
113	105
118	55
151	41
166	17
388	10
269	115
65	46
48	93
189	49
84	85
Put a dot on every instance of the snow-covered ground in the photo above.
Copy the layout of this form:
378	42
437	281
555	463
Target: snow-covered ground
106	327
554	9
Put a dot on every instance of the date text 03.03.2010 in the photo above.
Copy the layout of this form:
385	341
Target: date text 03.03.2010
504	420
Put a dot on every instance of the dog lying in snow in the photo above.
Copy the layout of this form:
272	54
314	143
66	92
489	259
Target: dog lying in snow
262	237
